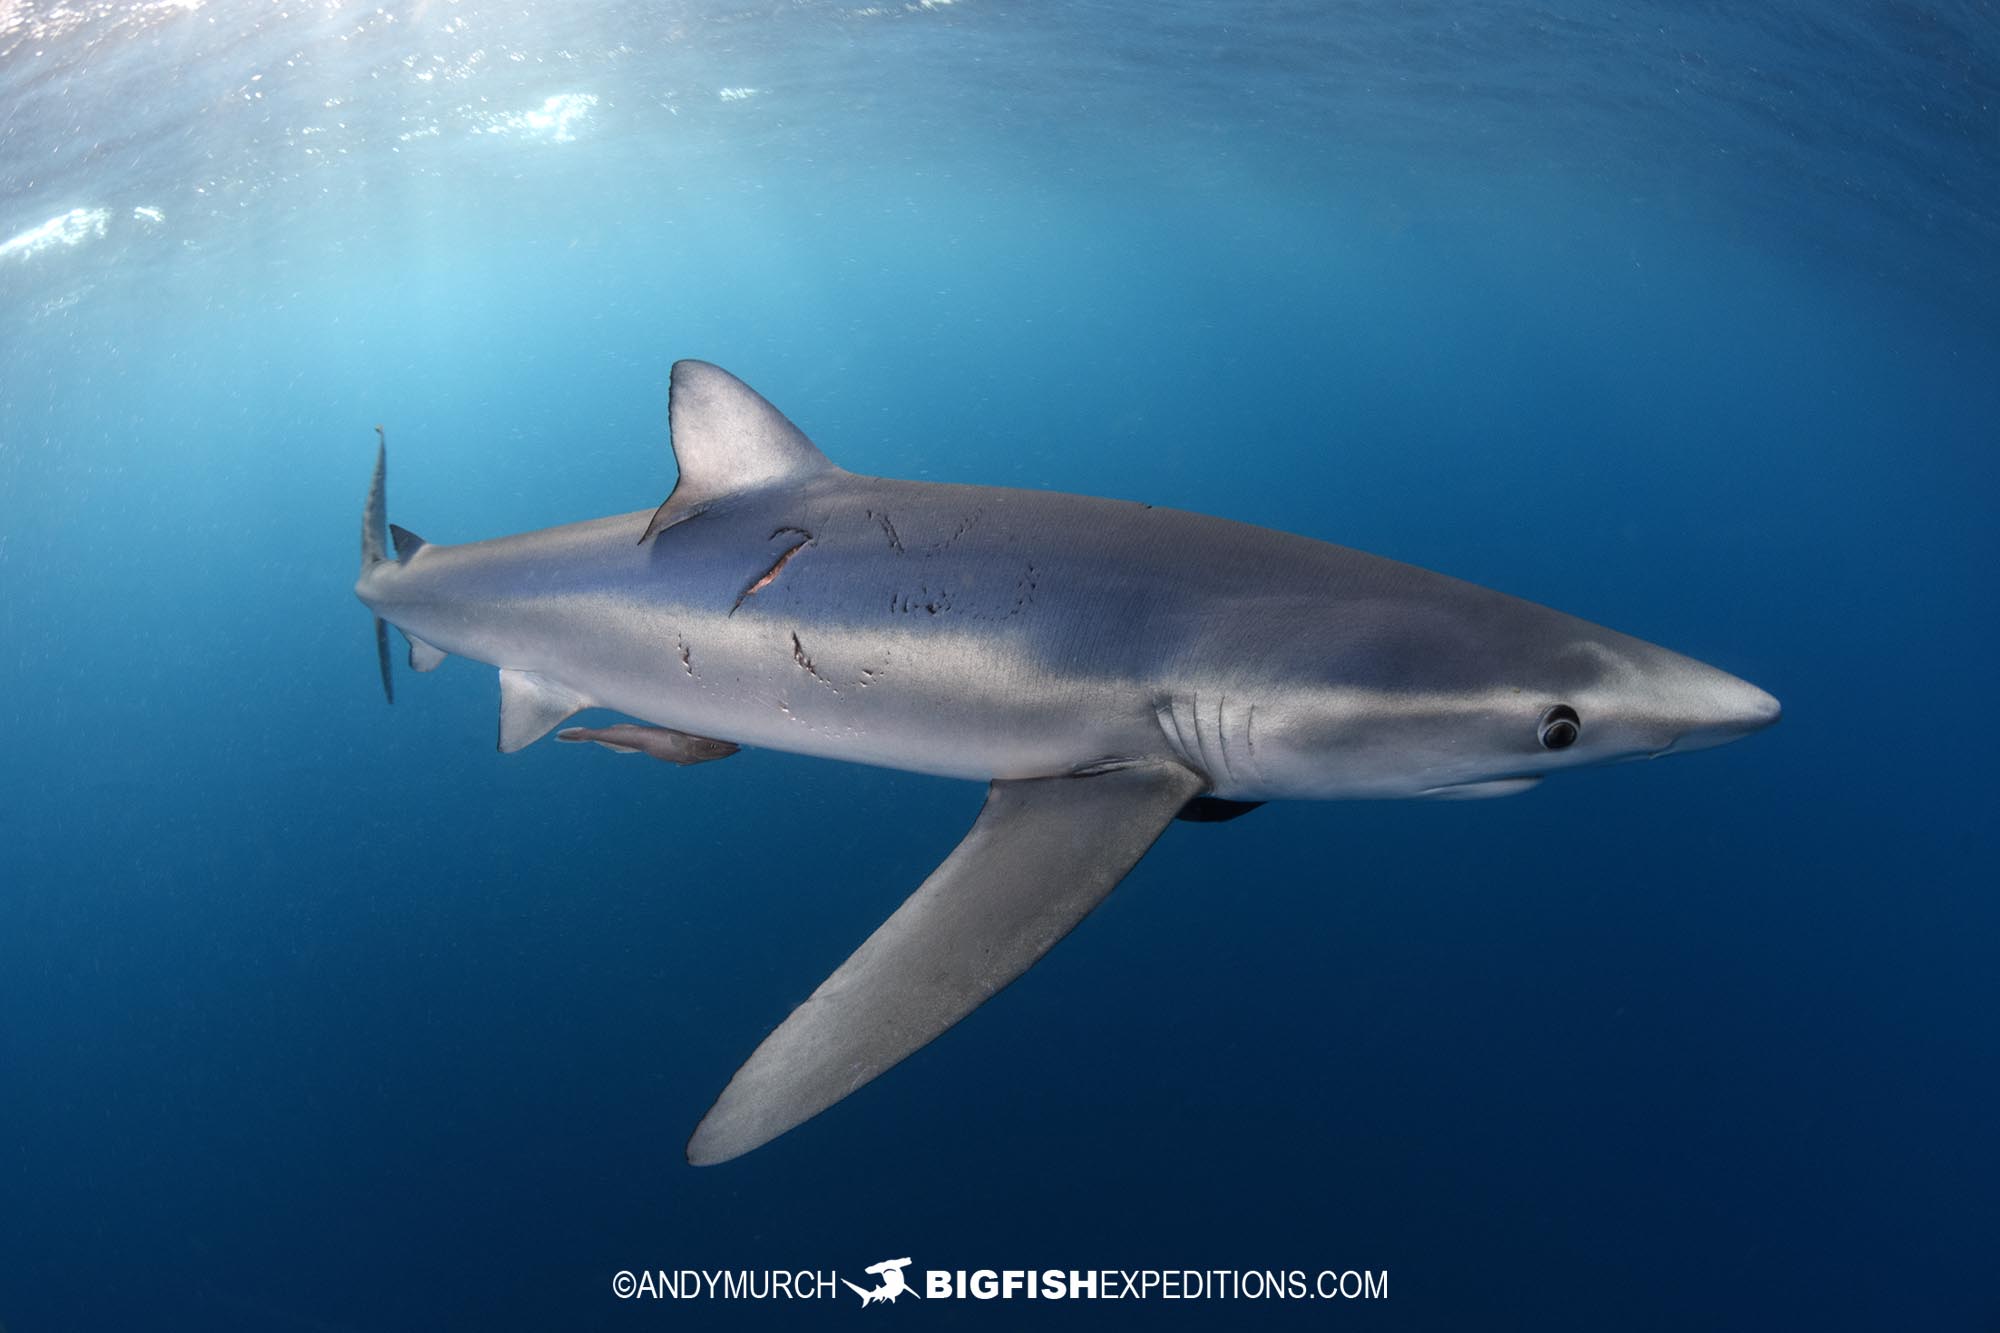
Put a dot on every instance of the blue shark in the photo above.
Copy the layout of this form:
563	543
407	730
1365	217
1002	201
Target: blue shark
1103	666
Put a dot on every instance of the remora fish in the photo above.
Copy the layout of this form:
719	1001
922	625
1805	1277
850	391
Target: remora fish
1105	666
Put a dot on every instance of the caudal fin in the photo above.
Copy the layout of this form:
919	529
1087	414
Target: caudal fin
375	549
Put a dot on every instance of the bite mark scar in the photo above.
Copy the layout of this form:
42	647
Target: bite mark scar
889	530
964	526
763	580
800	656
687	656
923	599
1024	591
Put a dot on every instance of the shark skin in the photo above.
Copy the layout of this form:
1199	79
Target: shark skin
1103	665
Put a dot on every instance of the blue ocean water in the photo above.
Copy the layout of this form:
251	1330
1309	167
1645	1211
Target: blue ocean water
316	1014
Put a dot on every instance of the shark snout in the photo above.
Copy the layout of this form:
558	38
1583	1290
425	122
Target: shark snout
1725	708
1758	710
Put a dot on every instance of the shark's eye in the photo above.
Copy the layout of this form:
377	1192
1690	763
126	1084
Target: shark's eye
1560	727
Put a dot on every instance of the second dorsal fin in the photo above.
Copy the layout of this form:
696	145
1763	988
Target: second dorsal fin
727	439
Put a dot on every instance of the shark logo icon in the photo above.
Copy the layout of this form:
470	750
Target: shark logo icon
893	1285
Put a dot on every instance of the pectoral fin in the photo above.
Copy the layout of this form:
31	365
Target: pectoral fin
1042	854
663	743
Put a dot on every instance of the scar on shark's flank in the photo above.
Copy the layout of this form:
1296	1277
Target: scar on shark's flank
964	526
804	659
1024	590
687	655
763	580
889	530
923	599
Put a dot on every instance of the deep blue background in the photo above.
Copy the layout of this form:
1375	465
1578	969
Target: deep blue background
316	1014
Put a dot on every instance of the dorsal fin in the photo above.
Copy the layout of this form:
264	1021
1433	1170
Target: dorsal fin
727	439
